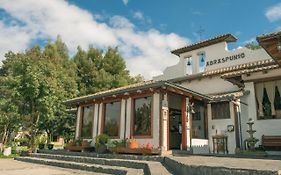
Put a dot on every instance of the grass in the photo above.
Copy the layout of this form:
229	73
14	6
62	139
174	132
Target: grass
252	152
8	157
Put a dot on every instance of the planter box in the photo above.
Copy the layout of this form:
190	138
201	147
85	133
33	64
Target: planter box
78	148
143	151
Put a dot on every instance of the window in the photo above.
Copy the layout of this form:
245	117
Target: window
111	123
189	65
142	116
220	110
202	61
87	121
268	99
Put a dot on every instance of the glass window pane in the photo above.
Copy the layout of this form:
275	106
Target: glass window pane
142	116
87	121
112	118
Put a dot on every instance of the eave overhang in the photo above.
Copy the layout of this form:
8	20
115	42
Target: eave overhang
271	42
137	88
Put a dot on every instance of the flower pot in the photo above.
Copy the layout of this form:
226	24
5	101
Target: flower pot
133	144
50	146
41	146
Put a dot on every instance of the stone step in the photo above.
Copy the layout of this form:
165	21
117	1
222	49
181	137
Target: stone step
107	156
83	166
94	160
148	167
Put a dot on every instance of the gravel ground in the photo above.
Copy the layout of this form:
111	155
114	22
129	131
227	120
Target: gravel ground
13	167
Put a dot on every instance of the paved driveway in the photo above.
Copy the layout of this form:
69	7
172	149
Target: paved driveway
13	167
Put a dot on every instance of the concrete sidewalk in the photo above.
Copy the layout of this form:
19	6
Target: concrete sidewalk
13	167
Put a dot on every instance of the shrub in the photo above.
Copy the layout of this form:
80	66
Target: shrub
102	139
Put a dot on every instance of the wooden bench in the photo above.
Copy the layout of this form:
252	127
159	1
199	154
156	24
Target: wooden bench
271	142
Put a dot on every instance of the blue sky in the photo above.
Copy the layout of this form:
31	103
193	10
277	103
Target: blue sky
144	30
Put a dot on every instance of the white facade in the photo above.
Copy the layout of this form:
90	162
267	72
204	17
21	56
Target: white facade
215	85
189	74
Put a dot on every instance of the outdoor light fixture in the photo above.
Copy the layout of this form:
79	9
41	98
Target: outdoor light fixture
190	108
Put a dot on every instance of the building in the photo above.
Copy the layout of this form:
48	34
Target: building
211	91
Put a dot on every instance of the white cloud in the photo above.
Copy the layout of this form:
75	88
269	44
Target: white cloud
138	15
125	2
145	52
274	13
12	38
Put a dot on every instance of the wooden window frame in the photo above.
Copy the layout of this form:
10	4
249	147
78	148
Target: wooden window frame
103	117
228	111
133	116
82	119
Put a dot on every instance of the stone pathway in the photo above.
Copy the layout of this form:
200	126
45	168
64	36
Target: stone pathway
13	167
241	163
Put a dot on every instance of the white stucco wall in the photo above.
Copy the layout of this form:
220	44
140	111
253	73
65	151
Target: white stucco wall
209	85
262	127
213	52
220	125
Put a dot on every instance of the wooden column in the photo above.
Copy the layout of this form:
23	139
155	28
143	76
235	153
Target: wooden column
184	134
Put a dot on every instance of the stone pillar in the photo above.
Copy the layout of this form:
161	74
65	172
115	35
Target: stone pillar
188	123
164	122
78	124
129	117
95	122
100	118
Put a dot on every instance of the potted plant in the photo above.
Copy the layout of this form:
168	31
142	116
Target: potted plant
78	142
132	143
42	142
101	141
117	145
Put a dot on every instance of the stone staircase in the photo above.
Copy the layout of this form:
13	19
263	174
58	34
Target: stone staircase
102	163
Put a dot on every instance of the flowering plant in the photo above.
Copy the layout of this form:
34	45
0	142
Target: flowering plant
132	143
131	139
148	146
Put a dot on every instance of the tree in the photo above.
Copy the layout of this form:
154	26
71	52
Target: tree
42	81
98	73
34	84
9	117
253	46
